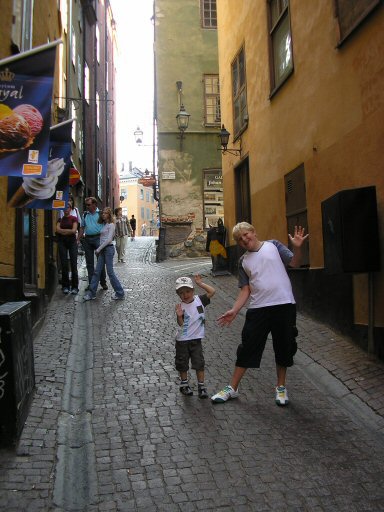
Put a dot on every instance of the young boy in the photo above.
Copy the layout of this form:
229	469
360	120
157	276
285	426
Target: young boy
264	280
191	320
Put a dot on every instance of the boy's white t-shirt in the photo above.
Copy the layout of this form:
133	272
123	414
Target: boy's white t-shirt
265	273
193	327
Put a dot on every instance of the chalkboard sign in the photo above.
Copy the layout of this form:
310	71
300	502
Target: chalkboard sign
17	375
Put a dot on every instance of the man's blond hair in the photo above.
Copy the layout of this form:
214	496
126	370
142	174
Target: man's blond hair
239	229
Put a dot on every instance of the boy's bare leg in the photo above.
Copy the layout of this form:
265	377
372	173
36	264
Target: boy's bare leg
281	372
200	375
237	376
183	375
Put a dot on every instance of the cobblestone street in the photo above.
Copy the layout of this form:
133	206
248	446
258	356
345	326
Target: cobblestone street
108	429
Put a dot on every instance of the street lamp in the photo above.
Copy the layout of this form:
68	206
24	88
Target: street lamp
182	117
224	138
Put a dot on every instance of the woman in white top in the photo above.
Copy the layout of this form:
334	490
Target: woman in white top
105	253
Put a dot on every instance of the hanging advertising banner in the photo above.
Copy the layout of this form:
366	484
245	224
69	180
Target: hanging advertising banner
51	192
26	86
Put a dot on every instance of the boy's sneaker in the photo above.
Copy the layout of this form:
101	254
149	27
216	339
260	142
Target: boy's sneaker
88	296
225	394
65	290
75	291
186	390
281	396
117	297
203	393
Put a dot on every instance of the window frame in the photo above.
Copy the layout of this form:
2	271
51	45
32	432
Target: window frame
344	33
214	96
240	93
208	22
273	27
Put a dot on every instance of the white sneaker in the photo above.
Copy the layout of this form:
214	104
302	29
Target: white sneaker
225	394
88	297
281	396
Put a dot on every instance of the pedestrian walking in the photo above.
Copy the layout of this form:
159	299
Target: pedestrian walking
190	315
144	229
90	237
66	229
122	231
106	252
263	279
132	221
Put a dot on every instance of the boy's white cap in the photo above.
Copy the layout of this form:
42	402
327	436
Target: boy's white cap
184	282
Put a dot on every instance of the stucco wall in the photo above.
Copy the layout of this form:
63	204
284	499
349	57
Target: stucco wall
327	116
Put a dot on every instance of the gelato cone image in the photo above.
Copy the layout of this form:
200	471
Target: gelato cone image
33	189
32	116
15	133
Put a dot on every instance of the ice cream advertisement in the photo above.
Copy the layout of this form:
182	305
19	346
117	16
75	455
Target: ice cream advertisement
26	85
52	191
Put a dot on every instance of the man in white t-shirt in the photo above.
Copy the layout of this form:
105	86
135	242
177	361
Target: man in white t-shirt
263	279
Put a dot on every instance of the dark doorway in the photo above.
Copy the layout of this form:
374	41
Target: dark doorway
242	193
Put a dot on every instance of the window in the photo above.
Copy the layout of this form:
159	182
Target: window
208	13
99	179
73	116
97	109
97	35
74	53
351	14
141	193
296	205
86	83
212	100
280	42
79	67
239	94
124	193
142	212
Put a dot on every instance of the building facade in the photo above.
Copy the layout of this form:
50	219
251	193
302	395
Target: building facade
187	88
28	259
138	200
302	96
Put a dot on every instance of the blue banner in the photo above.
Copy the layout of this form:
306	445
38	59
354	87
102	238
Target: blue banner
26	86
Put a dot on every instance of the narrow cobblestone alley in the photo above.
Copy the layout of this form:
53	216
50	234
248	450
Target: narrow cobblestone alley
108	429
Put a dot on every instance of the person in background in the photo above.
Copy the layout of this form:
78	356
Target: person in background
66	229
190	314
132	221
74	212
144	229
263	279
105	253
122	231
90	237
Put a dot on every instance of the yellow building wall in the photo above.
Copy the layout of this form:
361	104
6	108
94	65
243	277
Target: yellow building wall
328	116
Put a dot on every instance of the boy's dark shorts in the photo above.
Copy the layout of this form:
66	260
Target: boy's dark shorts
189	350
280	321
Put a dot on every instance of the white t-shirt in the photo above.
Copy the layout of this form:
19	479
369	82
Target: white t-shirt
265	272
193	327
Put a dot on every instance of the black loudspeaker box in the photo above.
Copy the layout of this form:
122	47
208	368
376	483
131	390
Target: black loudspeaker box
350	231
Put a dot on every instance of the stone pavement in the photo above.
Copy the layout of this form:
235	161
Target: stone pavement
108	429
